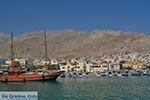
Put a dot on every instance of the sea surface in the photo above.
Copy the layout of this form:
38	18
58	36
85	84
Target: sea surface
93	88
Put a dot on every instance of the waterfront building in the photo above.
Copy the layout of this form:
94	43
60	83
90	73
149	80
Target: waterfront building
81	66
29	62
114	66
43	62
104	66
126	65
138	65
84	66
67	66
2	62
64	66
21	61
87	65
36	62
54	62
96	68
8	62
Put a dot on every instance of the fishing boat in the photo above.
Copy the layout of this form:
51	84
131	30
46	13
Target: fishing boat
16	75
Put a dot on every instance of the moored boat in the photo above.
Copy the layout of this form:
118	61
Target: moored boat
110	74
146	73
80	74
75	74
16	76
87	74
98	74
63	75
136	73
119	73
125	73
69	74
104	74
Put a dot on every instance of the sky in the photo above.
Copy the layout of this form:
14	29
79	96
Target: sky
20	16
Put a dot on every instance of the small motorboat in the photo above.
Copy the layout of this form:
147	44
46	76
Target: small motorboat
98	74
80	74
69	74
109	74
75	74
87	74
63	75
119	73
146	73
136	73
125	73
103	74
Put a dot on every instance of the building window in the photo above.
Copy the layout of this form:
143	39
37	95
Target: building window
68	67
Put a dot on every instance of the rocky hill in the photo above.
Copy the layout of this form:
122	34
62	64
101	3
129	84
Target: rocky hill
72	43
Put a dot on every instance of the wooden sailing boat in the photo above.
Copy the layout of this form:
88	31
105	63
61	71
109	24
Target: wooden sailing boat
15	75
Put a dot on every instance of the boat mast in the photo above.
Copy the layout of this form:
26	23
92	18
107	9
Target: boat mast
45	43
12	46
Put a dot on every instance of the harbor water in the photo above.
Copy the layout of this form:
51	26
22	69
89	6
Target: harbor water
92	88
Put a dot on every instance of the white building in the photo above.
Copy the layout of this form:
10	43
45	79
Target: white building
114	66
78	66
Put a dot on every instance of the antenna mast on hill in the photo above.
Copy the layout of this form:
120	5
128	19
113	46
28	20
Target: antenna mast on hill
45	43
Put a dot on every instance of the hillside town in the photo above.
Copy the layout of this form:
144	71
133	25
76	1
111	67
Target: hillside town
126	61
